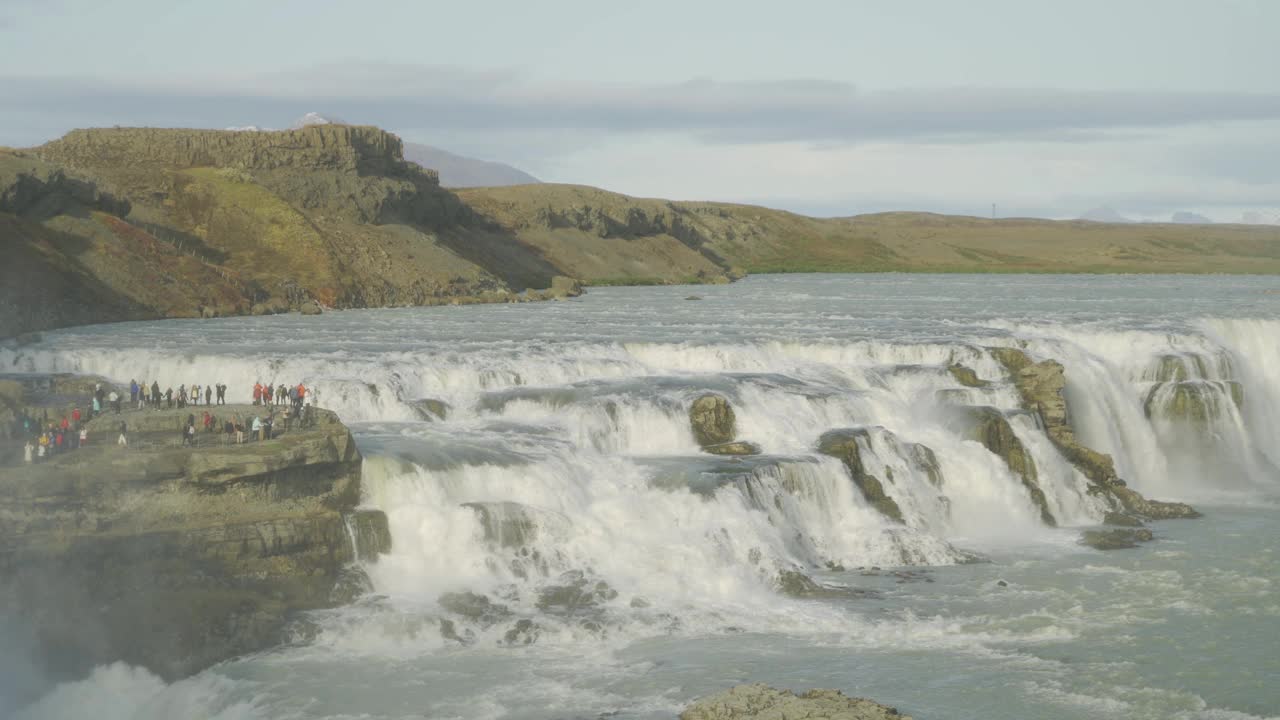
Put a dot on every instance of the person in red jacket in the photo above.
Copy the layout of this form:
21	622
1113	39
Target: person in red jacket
257	393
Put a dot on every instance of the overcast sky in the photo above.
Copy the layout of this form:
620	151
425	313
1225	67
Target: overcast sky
831	108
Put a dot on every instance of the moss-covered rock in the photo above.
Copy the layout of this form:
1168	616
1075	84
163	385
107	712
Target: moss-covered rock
430	409
990	427
1116	539
737	447
712	419
1040	386
1194	401
761	702
966	376
843	445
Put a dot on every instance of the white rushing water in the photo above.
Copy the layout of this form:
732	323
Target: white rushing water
560	536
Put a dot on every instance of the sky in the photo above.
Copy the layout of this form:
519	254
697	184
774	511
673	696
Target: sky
1038	107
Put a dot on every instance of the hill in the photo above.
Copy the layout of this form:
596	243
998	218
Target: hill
130	223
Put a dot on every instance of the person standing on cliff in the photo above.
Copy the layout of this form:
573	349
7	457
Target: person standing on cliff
133	391
208	394
123	440
155	393
27	451
114	398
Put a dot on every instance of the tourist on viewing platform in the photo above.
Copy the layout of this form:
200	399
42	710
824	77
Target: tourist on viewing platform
168	397
75	415
42	444
65	424
222	394
189	434
123	440
156	398
84	436
133	391
195	394
257	393
257	428
28	451
142	395
96	407
182	396
114	398
208	394
239	425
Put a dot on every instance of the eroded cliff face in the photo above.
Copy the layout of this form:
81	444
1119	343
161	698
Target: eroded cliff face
176	558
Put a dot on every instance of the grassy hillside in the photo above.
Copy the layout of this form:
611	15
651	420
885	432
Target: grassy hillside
761	240
141	223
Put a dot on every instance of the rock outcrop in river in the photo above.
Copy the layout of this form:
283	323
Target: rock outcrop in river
761	702
176	558
1041	385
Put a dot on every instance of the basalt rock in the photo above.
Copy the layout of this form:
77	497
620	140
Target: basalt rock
1193	401
966	376
176	558
761	702
843	445
712	419
430	409
990	427
1040	386
739	447
1117	539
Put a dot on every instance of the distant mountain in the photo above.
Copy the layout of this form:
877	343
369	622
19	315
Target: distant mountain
1189	218
1106	214
459	171
313	118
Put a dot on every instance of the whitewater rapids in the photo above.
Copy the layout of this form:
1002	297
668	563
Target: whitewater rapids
563	505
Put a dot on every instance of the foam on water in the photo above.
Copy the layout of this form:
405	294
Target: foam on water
567	461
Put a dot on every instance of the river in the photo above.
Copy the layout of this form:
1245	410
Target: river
562	548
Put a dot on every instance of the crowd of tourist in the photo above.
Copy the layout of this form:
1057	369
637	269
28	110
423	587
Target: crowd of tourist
285	406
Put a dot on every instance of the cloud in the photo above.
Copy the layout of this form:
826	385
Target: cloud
815	111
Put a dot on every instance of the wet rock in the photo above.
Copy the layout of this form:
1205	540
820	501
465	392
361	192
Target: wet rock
990	427
1117	539
797	584
761	702
923	459
712	420
966	376
373	535
507	524
524	632
575	593
352	583
310	308
843	445
430	409
474	607
1002	583
1041	385
694	297
738	447
1121	519
1196	401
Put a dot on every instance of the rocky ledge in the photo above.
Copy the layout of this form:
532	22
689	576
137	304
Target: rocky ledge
761	702
175	558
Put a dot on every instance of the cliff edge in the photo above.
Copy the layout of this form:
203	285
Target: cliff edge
175	558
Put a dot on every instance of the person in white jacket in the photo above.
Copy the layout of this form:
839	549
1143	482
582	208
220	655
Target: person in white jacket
27	451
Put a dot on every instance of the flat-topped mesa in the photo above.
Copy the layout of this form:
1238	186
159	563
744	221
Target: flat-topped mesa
358	149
